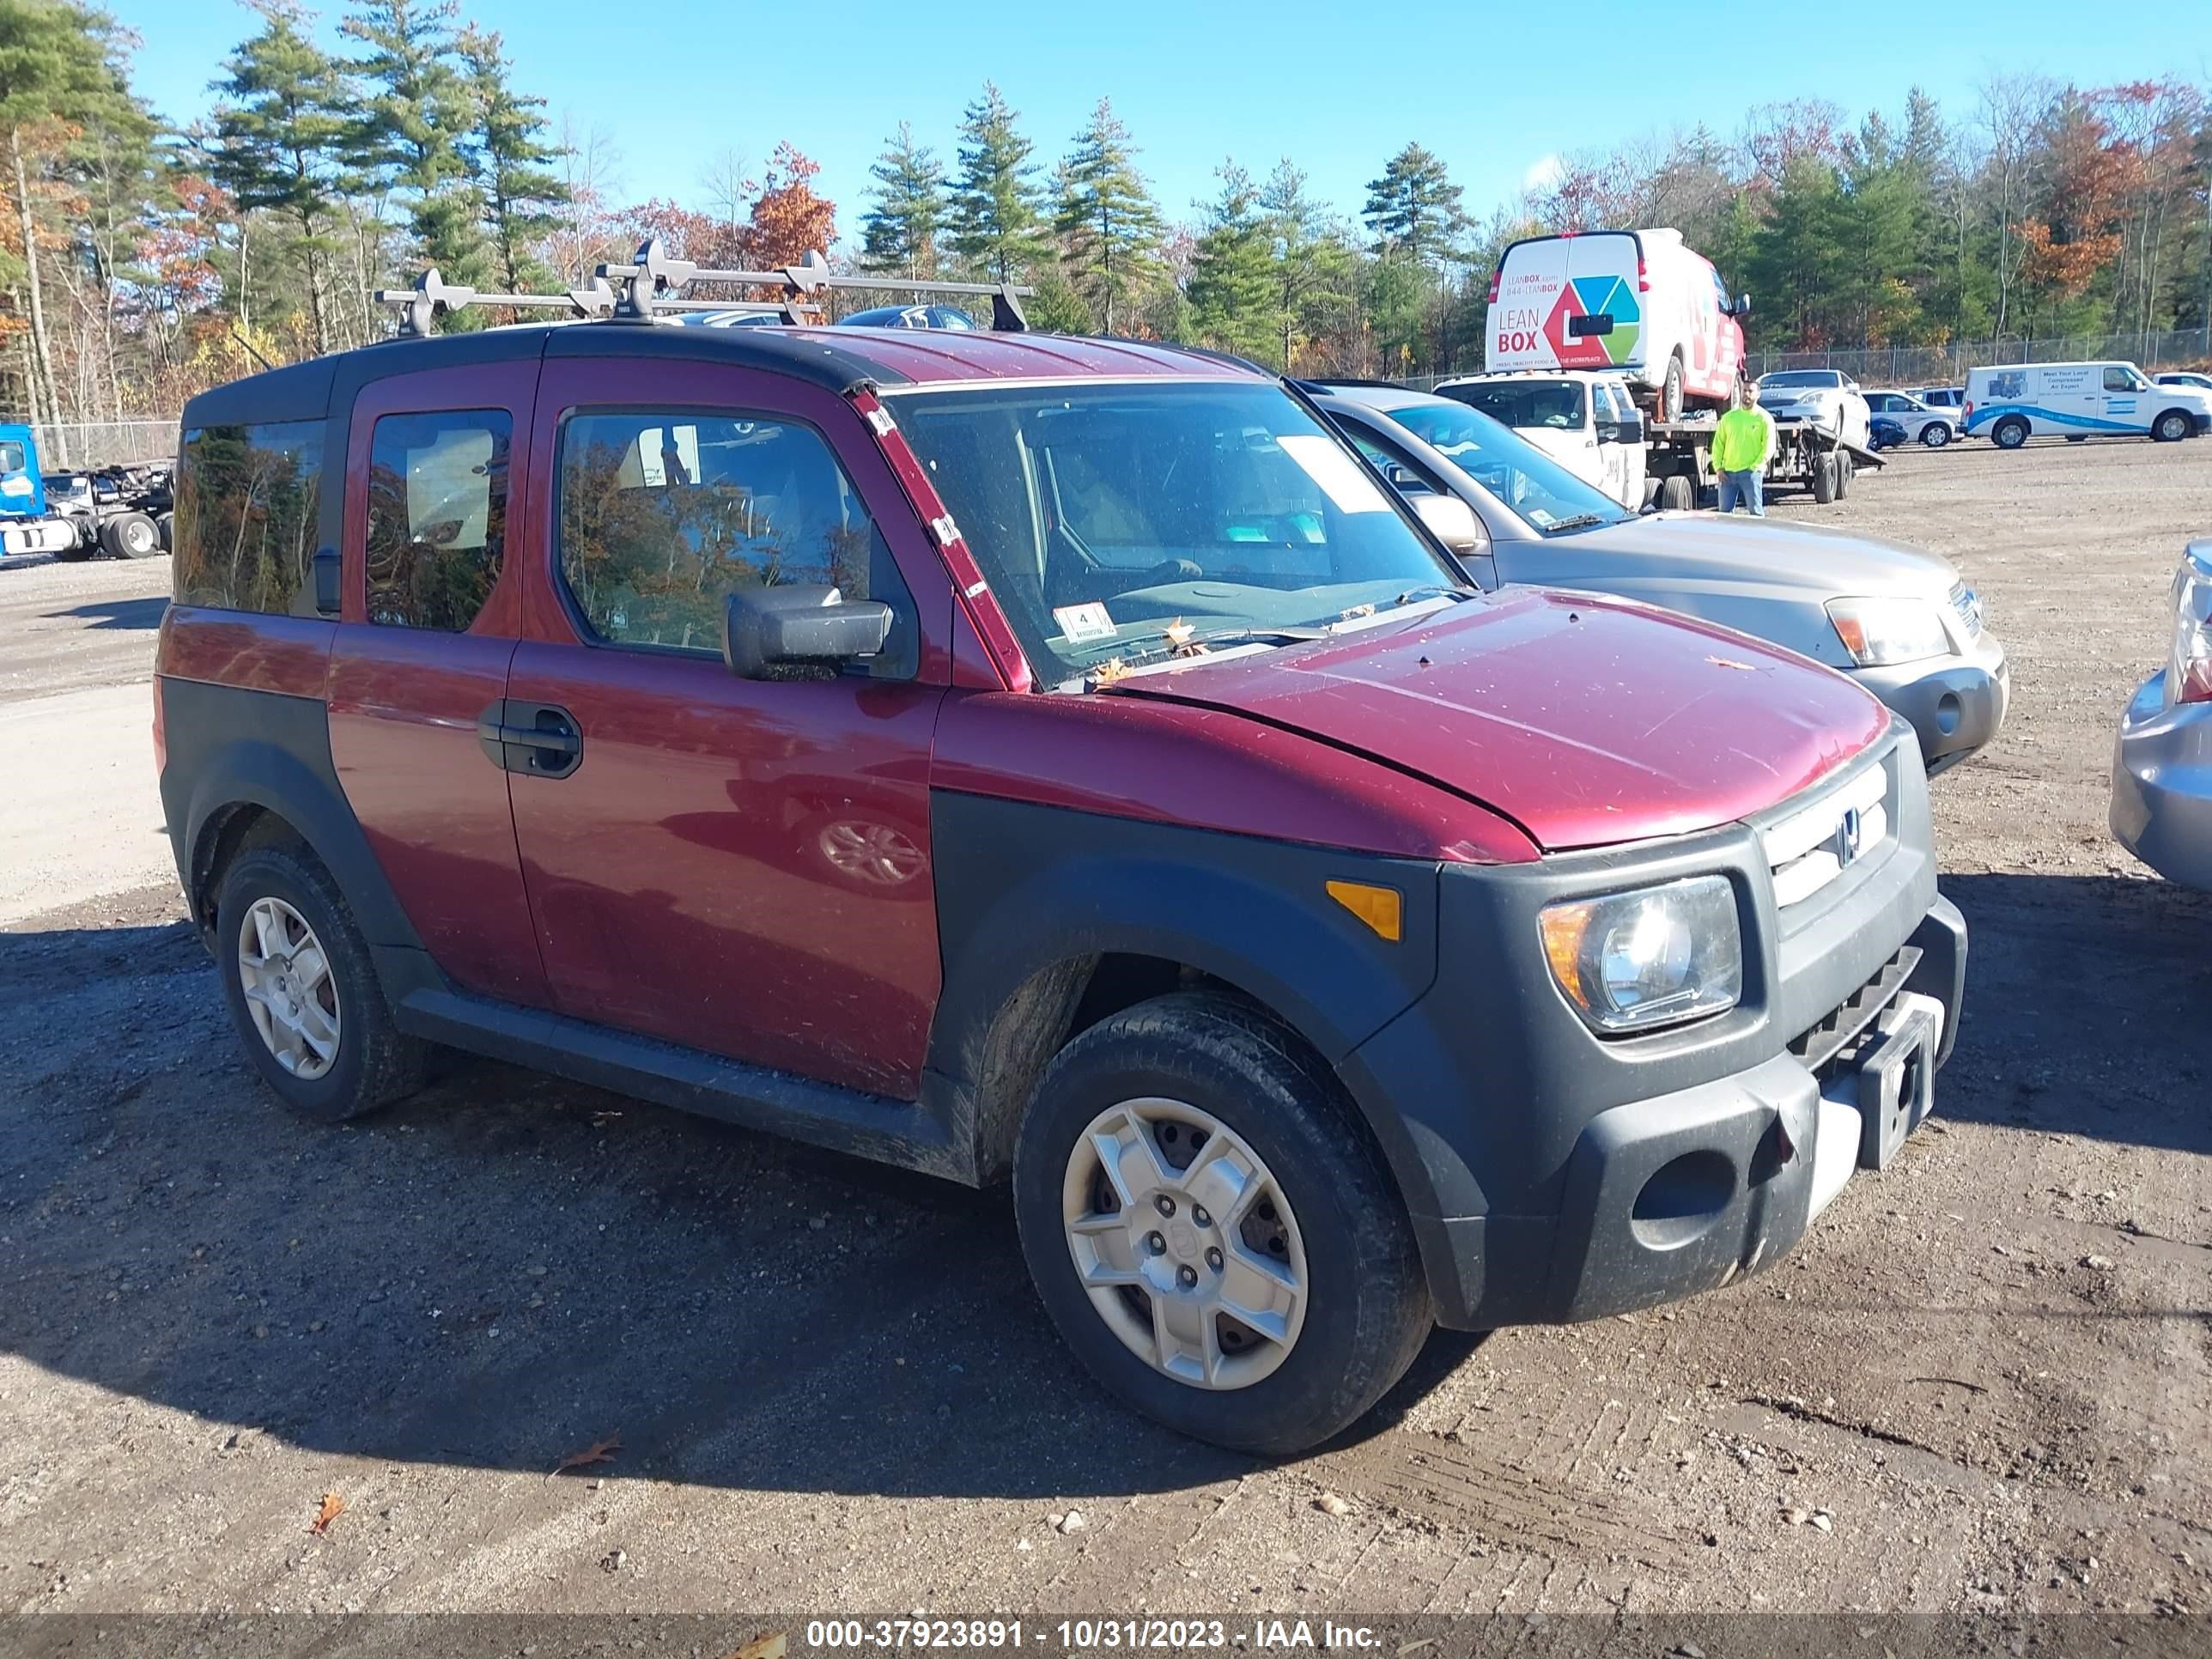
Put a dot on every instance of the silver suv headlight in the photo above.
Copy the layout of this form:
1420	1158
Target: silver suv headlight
1650	957
1881	633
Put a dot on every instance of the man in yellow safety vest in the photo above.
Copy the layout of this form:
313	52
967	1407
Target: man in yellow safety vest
1743	442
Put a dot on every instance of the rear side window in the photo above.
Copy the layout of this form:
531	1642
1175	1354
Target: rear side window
437	516
662	516
249	502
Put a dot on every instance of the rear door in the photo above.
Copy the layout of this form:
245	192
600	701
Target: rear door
741	867
437	497
1598	320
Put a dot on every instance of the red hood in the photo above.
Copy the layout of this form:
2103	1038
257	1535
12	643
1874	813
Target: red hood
1586	720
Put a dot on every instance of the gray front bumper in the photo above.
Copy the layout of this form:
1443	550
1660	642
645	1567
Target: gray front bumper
2163	784
1956	704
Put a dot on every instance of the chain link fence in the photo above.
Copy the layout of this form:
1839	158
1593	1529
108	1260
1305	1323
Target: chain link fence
68	444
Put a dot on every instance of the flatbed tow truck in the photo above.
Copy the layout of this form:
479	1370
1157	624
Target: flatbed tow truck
1679	461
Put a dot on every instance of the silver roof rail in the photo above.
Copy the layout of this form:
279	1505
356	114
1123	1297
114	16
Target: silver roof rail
651	285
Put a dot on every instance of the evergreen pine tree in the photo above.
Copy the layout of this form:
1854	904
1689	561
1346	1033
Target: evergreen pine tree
1232	277
281	128
1110	230
898	232
1413	208
996	222
507	155
417	112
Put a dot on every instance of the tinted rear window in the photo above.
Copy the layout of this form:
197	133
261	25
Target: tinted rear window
249	500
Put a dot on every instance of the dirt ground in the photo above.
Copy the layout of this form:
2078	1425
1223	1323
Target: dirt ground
1982	1384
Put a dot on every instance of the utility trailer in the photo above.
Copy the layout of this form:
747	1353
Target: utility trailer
1679	461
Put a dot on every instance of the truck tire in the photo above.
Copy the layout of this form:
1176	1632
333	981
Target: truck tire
316	1027
130	536
1670	390
2010	433
1265	1324
1825	474
1677	494
165	524
2171	426
1846	471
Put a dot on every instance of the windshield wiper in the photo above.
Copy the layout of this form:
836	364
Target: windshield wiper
1578	521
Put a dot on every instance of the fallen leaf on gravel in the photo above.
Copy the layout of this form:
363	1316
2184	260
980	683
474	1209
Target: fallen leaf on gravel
599	1451
764	1647
333	1506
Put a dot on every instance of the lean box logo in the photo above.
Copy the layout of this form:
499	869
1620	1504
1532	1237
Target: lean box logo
1594	323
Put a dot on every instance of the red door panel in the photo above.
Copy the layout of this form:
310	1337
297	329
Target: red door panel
740	866
404	708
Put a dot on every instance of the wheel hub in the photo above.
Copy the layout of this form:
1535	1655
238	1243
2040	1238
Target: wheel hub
1185	1243
285	977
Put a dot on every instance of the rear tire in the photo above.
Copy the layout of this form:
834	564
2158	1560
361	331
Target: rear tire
2171	426
1677	494
1935	434
1258	1124
2010	433
1670	391
130	536
317	984
1824	476
166	525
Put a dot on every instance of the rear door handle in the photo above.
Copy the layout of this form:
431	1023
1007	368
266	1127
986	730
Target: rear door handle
540	739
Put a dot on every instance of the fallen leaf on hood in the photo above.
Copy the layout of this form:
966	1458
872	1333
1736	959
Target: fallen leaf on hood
1729	662
1109	670
599	1451
333	1506
1178	632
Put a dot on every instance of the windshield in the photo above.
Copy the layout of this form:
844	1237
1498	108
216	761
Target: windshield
1524	404
1122	522
1822	377
1509	467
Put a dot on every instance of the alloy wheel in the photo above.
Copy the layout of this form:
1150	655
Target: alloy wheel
1185	1243
873	853
285	975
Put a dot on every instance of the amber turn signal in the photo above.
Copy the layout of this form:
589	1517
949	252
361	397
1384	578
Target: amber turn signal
1382	909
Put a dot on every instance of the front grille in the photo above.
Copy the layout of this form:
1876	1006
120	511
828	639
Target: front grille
1825	1041
1968	605
1810	847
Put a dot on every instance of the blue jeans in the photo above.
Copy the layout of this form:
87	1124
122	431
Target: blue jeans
1742	486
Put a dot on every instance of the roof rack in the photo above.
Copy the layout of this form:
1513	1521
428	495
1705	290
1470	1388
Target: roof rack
649	286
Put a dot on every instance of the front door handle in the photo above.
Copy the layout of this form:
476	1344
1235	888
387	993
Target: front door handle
540	739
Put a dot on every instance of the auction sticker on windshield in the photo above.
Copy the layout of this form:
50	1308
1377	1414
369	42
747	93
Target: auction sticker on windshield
1079	623
1331	466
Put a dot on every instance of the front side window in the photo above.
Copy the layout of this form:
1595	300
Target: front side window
662	515
249	502
1527	405
1105	516
1509	466
11	457
437	516
2122	379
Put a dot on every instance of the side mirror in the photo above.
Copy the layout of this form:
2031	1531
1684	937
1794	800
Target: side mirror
1404	479
769	632
1608	432
1451	521
1742	305
1630	430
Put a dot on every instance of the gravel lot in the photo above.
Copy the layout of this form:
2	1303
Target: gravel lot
1982	1384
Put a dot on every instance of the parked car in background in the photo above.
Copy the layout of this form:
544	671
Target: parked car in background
2162	763
1898	620
1587	421
2188	377
1883	433
948	317
1921	423
1321	947
2014	403
1825	398
1641	302
1950	398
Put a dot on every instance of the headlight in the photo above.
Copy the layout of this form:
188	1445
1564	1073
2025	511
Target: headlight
2189	664
1880	632
1655	957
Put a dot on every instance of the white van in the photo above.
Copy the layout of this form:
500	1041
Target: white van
2011	404
1587	421
1639	302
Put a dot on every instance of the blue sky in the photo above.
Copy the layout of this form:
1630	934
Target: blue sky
1337	87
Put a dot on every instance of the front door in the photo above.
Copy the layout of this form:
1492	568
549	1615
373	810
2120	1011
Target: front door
737	866
436	491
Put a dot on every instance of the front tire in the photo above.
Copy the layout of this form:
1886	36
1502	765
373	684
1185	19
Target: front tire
1213	1228
302	991
1935	434
2010	433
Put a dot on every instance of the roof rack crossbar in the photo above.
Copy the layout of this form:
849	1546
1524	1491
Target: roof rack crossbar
433	296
